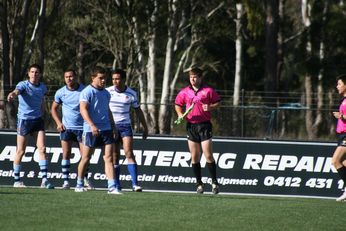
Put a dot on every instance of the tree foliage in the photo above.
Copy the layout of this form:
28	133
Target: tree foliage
136	35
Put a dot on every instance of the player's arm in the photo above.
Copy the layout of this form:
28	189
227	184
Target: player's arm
83	106
338	115
114	128
43	111
12	95
179	110
213	106
141	118
54	111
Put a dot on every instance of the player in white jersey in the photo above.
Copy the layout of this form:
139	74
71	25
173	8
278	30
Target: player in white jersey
122	100
71	124
30	94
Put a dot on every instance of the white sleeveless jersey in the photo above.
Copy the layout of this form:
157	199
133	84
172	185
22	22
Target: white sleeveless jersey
121	103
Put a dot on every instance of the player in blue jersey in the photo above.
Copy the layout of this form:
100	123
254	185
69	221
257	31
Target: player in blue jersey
98	127
71	124
122	100
30	95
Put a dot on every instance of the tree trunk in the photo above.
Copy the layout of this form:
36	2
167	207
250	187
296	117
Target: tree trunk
41	34
165	111
38	24
79	61
306	14
280	66
22	22
238	69
7	110
151	72
309	101
271	45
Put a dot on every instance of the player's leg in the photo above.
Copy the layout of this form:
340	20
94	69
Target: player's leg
87	181
116	158
337	159
108	144
208	154
43	160
195	150
65	162
86	150
109	168
131	162
77	136
21	145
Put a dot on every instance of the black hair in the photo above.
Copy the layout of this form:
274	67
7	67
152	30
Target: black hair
71	70
35	65
97	70
120	72
342	78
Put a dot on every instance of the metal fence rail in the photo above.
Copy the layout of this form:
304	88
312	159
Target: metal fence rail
276	115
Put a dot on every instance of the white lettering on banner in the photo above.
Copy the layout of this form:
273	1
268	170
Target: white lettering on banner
56	152
96	156
285	162
226	160
75	156
8	153
149	155
6	173
29	154
183	159
230	181
146	177
164	159
175	179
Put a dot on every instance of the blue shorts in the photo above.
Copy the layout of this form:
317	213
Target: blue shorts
25	127
124	130
105	137
71	135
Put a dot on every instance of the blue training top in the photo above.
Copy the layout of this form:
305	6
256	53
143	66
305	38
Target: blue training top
69	99
98	107
30	99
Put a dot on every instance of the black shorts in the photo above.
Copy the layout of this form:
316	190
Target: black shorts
341	139
199	132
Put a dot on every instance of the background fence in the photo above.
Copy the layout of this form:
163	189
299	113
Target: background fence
260	115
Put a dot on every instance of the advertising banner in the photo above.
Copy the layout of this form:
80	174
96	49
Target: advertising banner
164	163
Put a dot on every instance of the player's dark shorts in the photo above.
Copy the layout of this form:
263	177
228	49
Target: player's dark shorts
71	135
124	130
25	127
341	139
104	138
199	132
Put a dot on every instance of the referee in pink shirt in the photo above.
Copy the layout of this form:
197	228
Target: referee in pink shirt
199	128
340	152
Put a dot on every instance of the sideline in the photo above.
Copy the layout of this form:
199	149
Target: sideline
192	192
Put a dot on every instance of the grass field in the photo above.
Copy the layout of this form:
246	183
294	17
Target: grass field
42	209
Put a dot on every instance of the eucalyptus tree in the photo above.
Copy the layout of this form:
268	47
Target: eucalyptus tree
18	19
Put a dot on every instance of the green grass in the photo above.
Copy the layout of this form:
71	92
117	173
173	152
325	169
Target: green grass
42	209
